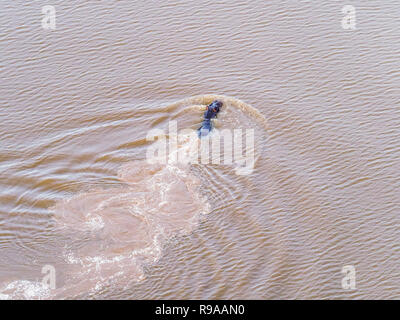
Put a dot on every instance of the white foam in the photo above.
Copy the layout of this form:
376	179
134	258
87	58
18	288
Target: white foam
24	289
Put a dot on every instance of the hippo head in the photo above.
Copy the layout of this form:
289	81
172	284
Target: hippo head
213	109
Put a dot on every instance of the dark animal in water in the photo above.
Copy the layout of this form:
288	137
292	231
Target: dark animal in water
211	112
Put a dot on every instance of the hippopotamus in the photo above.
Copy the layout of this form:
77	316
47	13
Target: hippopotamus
210	113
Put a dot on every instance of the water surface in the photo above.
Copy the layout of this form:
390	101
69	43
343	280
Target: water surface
78	101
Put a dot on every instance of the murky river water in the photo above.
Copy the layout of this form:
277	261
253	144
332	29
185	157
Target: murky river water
77	194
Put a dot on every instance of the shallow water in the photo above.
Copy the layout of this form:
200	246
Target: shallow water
75	190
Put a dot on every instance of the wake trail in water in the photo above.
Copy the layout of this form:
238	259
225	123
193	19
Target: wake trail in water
116	232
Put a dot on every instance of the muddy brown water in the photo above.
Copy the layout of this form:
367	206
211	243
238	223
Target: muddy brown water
76	192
